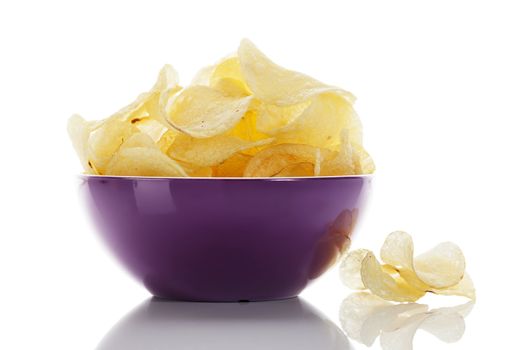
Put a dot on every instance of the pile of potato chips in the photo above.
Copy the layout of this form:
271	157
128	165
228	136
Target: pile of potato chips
404	278
245	116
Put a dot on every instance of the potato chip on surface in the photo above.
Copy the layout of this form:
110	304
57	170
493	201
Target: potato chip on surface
243	116
405	278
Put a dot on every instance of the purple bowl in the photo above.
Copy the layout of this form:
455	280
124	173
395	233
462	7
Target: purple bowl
226	239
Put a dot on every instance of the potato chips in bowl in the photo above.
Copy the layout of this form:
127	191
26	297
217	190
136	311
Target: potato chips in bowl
242	117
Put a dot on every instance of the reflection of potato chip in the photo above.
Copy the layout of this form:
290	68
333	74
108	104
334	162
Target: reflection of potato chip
365	317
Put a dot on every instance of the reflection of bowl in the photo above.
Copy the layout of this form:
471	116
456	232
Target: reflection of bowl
285	324
225	239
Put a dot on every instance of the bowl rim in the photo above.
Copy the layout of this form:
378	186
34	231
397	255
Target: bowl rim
158	178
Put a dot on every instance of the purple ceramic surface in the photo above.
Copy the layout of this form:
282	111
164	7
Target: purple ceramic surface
225	239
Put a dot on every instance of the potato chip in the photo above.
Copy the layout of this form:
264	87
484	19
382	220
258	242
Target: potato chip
233	166
276	85
321	123
79	130
297	170
343	163
246	129
106	139
350	269
382	284
200	111
271	118
401	274
209	151
272	160
464	288
139	156
231	121
146	104
441	267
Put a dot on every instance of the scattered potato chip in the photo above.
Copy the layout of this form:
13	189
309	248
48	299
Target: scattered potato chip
350	270
244	116
383	284
403	278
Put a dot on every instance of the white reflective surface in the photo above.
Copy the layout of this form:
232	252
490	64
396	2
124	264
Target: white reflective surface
287	324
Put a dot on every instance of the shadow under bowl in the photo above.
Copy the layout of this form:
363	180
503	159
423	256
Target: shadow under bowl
225	239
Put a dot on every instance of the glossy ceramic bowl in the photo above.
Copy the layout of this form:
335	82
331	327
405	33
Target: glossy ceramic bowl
225	239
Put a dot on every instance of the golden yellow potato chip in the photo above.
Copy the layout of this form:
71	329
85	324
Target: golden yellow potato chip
297	170
350	268
441	267
79	131
139	156
203	112
271	118
106	139
272	160
231	121
209	151
229	69
362	161
233	166
382	284
343	163
320	124
276	85
246	129
464	288
146	104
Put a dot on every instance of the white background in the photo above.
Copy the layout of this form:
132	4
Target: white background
441	92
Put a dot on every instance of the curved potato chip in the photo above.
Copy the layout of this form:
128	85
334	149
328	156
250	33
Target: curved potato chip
398	250
200	111
231	87
464	288
79	131
105	141
321	124
209	151
139	156
146	104
272	160
350	269
246	129
297	170
343	163
362	160
229	68
441	267
276	85
271	118
203	76
233	166
382	284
